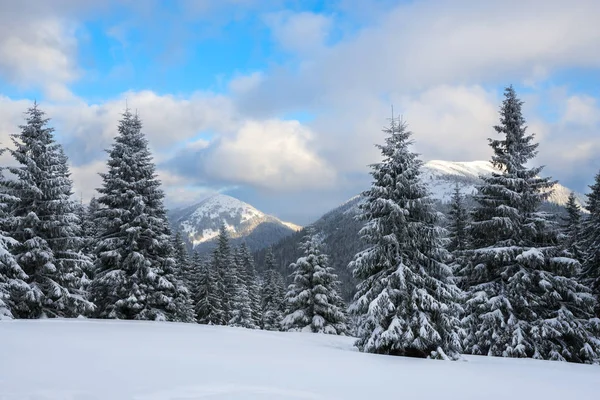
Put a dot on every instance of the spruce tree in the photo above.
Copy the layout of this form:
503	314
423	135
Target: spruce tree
89	232
523	296
406	297
41	218
135	268
182	260
252	282
207	297
13	285
223	264
272	295
241	314
458	223
571	228
313	300
590	238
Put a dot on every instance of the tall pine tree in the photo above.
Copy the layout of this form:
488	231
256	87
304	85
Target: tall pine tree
523	298
41	217
406	296
313	300
135	268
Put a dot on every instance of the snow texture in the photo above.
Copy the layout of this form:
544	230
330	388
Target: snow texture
118	360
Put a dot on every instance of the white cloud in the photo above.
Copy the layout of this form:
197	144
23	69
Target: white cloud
303	32
272	154
86	179
38	45
452	123
582	110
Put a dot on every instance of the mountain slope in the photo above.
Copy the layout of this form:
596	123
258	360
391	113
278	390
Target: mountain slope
200	223
339	227
443	176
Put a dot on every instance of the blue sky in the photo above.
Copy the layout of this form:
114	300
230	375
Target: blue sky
280	102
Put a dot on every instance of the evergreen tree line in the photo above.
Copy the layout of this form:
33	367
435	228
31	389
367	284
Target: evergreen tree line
504	278
118	258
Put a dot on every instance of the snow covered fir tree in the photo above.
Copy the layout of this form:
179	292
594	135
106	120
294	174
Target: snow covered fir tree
272	296
135	266
207	297
523	296
40	216
458	222
406	298
13	285
571	225
313	302
591	243
249	278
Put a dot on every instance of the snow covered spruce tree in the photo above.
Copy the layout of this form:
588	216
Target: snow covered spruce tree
13	285
458	222
223	264
183	264
406	298
591	243
241	309
207	296
272	295
135	268
523	296
41	218
571	229
312	301
89	232
252	282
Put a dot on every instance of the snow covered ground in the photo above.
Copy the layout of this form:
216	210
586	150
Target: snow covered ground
91	359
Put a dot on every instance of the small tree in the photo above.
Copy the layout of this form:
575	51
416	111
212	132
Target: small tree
459	221
571	229
223	264
313	301
182	260
248	273
207	296
272	295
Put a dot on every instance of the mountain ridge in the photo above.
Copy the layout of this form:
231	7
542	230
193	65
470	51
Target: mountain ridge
339	227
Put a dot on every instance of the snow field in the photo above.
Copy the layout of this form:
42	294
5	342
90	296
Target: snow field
96	359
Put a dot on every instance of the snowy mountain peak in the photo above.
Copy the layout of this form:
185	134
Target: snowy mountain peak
443	176
201	222
465	168
218	204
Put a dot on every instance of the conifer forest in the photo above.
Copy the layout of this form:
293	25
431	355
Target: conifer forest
495	273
